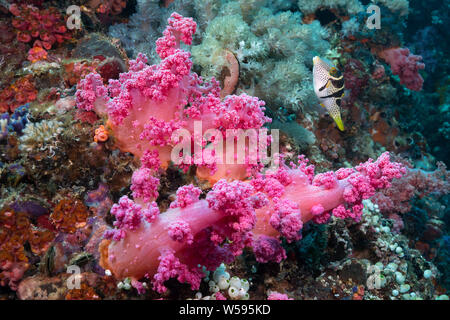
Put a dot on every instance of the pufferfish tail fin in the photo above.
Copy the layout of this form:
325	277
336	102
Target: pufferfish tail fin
338	120
333	107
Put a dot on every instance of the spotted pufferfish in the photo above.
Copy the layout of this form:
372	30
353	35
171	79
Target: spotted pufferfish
329	88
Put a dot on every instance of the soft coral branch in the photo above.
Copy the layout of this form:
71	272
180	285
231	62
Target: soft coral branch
146	105
242	214
228	213
415	182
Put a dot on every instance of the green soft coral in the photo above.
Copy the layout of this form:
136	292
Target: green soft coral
225	33
274	50
350	6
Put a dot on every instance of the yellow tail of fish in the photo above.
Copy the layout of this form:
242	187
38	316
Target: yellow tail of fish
339	122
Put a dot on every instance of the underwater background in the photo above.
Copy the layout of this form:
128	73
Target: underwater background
91	92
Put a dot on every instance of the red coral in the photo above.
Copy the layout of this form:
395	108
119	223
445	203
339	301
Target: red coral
113	7
69	215
19	93
85	292
45	26
356	77
15	231
36	54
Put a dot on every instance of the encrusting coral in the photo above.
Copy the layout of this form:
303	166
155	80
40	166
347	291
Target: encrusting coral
46	27
69	215
40	136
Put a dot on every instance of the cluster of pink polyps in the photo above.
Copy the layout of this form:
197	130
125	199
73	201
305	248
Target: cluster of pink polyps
144	107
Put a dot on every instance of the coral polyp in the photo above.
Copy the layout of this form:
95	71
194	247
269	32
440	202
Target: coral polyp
69	215
15	231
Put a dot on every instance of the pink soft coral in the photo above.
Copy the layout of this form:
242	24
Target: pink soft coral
406	66
145	106
415	182
144	185
337	193
171	267
186	196
236	215
182	238
128	217
148	104
287	219
278	296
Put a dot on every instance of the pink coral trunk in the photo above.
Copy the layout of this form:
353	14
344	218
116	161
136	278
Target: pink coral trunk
138	253
305	196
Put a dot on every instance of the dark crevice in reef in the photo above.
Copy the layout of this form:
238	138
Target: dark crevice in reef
325	16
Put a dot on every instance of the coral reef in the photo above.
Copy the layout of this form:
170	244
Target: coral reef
69	215
113	175
415	182
113	7
164	90
16	231
286	218
15	122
